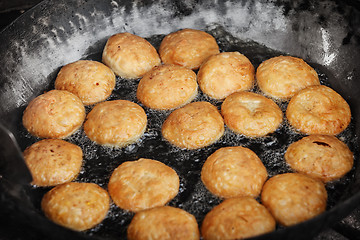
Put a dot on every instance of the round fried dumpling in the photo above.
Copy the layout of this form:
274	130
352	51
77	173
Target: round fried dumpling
188	48
196	125
91	81
143	184
53	161
78	206
283	76
116	123
293	198
129	56
225	73
167	87
55	114
165	223
318	110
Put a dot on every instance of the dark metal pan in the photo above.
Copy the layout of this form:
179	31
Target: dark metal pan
33	48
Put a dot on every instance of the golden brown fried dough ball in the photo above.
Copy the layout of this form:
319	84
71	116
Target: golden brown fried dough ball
143	184
115	123
167	87
234	172
283	76
318	110
91	81
193	126
53	161
129	56
225	73
293	198
320	156
188	48
251	114
165	223
237	218
78	206
55	114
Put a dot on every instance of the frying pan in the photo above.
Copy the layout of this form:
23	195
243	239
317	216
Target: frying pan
34	47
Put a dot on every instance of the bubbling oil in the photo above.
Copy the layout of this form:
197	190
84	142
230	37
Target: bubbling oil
100	161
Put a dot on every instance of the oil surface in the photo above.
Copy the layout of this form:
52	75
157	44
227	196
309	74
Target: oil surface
99	161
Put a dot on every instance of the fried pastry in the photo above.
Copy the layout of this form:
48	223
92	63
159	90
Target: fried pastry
251	114
115	123
193	126
55	114
237	218
225	73
129	56
234	172
188	48
78	206
318	110
53	161
293	198
91	81
320	156
283	76
167	87
163	223
142	184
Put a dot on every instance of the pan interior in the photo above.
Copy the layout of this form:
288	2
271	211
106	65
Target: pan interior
322	33
99	161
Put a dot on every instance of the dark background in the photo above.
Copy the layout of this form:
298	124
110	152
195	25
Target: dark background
11	9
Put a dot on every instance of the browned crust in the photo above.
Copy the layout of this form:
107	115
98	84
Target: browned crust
320	156
165	223
188	48
53	161
129	56
55	114
91	81
78	206
225	73
283	76
143	184
293	198
193	126
237	218
318	110
167	87
115	123
234	172
251	114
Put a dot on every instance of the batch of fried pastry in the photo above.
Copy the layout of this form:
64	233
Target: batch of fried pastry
168	82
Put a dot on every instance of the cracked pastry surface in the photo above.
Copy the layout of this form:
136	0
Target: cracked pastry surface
78	206
251	114
225	73
318	110
320	156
